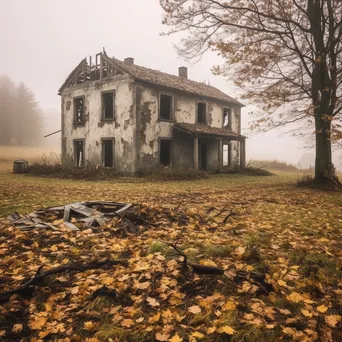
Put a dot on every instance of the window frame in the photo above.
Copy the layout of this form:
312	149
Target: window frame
205	114
74	109
74	152
229	126
159	151
103	152
171	109
103	118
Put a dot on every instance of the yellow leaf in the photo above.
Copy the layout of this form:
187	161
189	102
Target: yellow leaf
229	306
332	320
240	250
197	334
154	318
175	301
226	329
162	337
211	330
17	328
282	283
151	301
127	323
38	323
195	309
176	338
322	308
207	262
89	325
295	297
306	313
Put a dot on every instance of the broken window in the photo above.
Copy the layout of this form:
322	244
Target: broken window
79	109
108	153
165	152
79	152
108	105
226	155
201	112
227	118
165	108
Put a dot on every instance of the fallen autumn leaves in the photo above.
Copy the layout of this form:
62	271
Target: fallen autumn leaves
263	295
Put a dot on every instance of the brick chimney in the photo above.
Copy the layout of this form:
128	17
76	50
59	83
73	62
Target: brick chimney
183	72
129	60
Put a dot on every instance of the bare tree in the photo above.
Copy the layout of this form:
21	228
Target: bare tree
286	55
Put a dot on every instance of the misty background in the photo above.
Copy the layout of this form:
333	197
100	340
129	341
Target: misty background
42	42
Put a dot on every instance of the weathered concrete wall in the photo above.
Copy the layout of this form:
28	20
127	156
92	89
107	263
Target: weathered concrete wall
122	128
213	156
183	150
150	129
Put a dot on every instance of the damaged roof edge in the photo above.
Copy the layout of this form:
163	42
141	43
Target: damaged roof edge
159	78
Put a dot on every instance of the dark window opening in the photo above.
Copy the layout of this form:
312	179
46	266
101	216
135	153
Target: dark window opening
79	153
79	109
108	105
227	155
165	152
201	112
108	153
227	118
165	107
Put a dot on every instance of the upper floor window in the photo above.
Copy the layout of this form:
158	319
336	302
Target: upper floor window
108	99
79	109
227	118
165	108
201	112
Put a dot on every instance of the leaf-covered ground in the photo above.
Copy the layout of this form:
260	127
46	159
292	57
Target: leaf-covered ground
281	254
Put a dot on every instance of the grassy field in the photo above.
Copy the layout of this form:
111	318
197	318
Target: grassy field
291	236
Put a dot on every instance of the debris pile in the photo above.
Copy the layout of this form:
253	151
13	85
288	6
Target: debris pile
101	214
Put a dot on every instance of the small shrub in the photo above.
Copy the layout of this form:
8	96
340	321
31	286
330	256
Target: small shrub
305	181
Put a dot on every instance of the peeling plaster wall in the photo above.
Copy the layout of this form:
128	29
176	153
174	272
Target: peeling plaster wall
183	150
121	129
150	129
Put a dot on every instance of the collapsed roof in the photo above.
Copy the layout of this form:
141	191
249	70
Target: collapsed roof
106	67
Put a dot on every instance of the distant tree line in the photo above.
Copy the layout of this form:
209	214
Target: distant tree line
20	116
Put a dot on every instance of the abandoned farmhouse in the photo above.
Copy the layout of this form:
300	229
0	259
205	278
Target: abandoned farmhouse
134	119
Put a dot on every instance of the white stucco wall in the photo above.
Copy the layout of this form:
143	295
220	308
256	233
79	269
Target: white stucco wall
122	128
151	129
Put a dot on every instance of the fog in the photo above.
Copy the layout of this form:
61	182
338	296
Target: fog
42	41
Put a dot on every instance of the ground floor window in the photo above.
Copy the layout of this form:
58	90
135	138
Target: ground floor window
79	153
227	155
165	152
108	152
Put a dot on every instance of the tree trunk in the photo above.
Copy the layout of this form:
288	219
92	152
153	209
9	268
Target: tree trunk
324	167
323	164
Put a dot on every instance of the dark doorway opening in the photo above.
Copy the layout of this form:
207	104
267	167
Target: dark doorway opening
165	152
108	153
79	153
202	156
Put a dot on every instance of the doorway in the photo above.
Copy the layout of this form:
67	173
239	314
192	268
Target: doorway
202	156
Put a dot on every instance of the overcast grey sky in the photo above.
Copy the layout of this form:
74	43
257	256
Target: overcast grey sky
43	40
